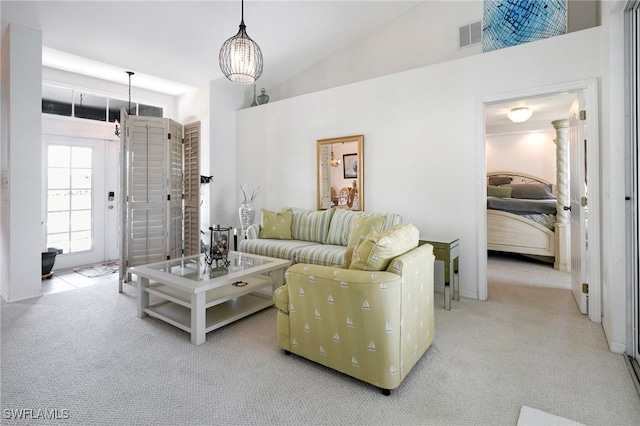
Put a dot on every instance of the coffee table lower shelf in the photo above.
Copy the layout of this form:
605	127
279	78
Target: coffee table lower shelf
216	316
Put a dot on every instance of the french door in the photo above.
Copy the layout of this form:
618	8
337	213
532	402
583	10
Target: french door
77	198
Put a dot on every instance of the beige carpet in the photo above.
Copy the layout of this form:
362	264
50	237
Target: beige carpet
85	351
506	268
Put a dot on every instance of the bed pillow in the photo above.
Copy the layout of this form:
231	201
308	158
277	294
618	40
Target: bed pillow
531	191
499	191
500	180
276	225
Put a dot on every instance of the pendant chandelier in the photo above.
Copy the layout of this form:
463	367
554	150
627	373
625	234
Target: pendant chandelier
334	162
117	132
240	57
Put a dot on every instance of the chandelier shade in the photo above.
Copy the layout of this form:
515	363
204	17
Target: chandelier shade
240	57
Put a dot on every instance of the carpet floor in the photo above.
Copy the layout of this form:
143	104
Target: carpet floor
84	357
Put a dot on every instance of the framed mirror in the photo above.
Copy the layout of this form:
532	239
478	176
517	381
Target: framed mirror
341	173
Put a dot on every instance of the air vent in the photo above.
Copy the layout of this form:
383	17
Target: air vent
469	35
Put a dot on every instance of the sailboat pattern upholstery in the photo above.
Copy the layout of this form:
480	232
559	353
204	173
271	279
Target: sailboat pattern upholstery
372	325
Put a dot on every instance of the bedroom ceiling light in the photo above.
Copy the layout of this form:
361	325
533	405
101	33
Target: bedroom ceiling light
117	131
240	57
519	115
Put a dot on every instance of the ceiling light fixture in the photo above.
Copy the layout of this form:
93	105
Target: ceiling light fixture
240	57
519	115
117	131
334	162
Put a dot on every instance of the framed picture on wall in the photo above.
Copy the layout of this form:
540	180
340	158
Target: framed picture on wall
350	164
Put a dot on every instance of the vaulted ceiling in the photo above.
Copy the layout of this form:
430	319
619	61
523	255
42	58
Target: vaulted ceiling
179	41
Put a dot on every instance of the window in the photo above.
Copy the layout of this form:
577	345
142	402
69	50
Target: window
80	104
70	198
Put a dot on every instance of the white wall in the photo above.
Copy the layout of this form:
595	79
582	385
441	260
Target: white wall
20	254
612	184
420	130
425	35
533	153
230	170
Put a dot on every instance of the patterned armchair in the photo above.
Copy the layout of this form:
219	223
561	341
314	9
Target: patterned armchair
373	325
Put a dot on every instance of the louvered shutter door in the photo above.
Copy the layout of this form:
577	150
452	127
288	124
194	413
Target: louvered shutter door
175	171
192	189
147	191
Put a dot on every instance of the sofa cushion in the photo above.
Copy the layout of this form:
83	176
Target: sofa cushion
320	254
276	225
340	228
310	225
281	249
376	252
363	226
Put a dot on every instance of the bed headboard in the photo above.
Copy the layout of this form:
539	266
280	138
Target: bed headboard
518	177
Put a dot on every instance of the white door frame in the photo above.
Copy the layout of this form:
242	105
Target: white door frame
590	88
78	129
96	253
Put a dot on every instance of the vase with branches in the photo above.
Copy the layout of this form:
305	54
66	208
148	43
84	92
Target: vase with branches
247	211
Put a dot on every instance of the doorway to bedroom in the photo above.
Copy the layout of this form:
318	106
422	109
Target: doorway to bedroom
529	210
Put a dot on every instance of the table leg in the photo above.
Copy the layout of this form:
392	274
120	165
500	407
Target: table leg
198	318
456	280
448	269
143	296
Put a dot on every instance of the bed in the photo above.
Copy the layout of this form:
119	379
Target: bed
521	217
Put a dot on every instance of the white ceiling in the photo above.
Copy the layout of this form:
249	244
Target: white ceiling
179	41
173	46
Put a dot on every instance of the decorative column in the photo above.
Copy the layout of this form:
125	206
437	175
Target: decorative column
562	226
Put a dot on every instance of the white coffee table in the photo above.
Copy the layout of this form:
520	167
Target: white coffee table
198	299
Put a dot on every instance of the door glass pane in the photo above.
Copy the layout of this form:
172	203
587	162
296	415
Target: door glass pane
58	200
80	241
58	178
70	198
80	178
81	220
81	199
59	156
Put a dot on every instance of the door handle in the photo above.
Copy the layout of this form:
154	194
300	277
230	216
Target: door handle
566	207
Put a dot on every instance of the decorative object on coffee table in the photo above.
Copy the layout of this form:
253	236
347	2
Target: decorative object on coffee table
247	211
218	247
263	98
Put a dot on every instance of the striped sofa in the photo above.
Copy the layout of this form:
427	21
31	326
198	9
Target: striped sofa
319	237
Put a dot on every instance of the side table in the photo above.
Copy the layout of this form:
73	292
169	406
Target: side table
447	251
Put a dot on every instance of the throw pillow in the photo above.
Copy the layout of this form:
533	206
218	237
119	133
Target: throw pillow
310	225
363	226
499	191
375	253
276	225
340	227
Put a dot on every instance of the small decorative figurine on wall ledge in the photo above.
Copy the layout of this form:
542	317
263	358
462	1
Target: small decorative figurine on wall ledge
263	98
